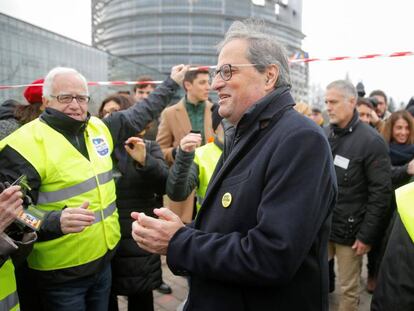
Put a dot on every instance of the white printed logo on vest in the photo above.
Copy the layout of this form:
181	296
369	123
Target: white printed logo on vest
101	147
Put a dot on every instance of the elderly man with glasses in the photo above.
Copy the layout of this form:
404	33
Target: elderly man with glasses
259	241
66	156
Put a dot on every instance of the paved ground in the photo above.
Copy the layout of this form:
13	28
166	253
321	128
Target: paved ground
180	289
166	302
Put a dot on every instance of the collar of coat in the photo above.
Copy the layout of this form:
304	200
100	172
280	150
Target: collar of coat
257	117
265	108
63	123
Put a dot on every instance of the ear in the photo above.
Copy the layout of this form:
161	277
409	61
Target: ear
353	101
187	85
271	75
45	103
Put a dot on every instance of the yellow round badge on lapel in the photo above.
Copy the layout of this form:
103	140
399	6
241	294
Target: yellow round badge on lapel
226	200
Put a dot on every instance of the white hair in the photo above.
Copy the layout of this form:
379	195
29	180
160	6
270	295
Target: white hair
50	77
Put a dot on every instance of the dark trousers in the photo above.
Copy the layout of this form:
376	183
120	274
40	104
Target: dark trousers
138	302
27	289
374	258
85	294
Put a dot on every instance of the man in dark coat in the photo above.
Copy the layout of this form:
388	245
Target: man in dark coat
363	172
260	239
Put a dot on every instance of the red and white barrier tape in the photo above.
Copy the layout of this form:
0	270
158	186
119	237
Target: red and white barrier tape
367	56
298	60
105	83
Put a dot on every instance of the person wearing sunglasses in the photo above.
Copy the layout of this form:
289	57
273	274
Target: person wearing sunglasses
259	240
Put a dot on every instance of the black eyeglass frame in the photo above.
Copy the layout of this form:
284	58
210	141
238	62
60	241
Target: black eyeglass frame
229	66
78	98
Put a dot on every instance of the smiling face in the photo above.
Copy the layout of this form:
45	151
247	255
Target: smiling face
246	86
400	131
68	84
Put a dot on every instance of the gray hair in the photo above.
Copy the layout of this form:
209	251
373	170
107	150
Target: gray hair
50	77
347	88
262	50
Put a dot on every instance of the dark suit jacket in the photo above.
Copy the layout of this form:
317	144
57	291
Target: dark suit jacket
268	249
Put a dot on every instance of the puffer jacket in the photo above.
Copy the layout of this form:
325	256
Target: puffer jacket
364	183
139	189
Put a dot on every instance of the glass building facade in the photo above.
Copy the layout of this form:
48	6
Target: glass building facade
28	52
162	33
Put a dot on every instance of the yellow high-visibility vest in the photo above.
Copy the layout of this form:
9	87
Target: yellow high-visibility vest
8	294
67	180
404	197
206	157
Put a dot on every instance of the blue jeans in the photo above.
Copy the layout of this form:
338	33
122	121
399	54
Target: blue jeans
87	294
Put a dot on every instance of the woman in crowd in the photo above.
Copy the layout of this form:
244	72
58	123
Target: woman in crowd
14	114
398	131
143	175
113	103
304	109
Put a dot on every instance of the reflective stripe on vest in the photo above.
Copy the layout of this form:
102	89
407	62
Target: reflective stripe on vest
69	179
404	197
106	212
10	303
64	194
8	295
206	157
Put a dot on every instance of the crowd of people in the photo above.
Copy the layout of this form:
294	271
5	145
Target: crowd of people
255	199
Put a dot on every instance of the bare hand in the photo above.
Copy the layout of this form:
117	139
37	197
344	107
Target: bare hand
190	142
361	248
374	118
178	73
410	167
138	153
76	219
154	235
10	206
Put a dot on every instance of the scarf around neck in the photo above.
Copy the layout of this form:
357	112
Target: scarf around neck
401	154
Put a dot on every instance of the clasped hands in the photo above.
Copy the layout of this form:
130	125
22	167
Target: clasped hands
152	234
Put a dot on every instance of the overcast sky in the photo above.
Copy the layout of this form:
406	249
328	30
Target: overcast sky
332	28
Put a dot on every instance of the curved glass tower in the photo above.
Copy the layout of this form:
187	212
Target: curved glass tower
162	33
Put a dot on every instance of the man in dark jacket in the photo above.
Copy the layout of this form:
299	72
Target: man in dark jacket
363	172
65	155
259	241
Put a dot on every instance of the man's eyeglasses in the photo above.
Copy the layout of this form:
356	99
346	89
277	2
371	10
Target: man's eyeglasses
226	70
67	99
